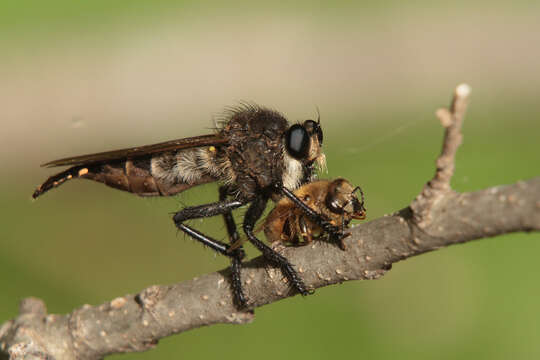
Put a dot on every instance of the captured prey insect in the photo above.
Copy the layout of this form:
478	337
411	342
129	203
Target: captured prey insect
254	154
335	200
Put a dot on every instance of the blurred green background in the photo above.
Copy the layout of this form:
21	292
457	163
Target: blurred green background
79	77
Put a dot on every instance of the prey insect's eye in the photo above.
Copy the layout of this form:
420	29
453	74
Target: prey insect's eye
335	202
339	197
297	141
335	205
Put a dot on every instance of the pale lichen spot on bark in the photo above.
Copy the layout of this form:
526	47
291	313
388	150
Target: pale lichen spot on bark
118	302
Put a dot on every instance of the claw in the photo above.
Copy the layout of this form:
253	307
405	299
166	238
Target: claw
342	245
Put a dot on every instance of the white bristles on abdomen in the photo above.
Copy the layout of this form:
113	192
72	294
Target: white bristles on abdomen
190	165
180	167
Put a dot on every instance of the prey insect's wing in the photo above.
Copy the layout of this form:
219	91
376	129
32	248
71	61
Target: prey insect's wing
138	151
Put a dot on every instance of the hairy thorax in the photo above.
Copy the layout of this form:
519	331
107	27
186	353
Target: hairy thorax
255	151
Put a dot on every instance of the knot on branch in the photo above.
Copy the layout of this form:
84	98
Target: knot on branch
32	305
21	338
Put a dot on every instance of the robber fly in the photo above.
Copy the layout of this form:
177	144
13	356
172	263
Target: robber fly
336	200
254	154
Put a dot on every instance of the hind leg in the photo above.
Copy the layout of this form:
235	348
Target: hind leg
236	262
236	255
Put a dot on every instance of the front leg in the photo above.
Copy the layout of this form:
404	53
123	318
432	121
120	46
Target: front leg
335	232
236	255
252	215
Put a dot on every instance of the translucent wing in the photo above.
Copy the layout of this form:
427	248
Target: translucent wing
138	151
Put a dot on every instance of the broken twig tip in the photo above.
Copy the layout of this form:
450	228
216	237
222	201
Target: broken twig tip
463	90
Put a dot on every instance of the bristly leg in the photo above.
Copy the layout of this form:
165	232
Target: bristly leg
213	244
236	262
253	213
236	255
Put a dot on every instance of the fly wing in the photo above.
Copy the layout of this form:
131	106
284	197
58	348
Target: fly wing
138	151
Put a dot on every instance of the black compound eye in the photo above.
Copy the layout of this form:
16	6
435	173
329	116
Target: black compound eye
297	141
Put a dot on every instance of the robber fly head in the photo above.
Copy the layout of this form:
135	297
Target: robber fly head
303	142
341	198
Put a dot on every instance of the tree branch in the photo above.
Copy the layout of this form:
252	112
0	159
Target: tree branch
438	217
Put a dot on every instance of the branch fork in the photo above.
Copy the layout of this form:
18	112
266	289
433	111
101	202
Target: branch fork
439	186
